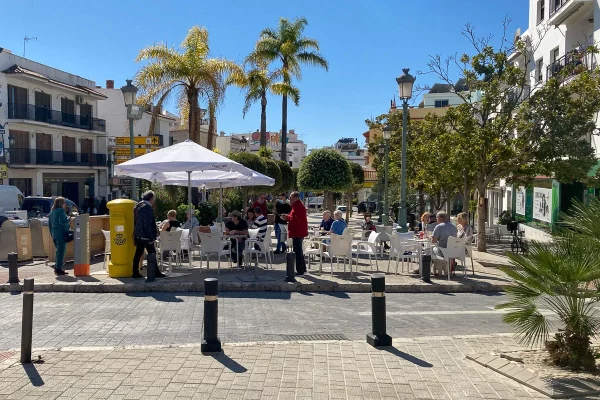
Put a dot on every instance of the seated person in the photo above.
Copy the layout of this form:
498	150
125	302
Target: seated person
442	231
464	229
369	225
432	222
237	226
260	223
191	222
339	224
250	216
326	223
170	222
424	221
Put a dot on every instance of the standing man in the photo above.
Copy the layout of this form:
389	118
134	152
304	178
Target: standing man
144	232
262	204
297	229
282	207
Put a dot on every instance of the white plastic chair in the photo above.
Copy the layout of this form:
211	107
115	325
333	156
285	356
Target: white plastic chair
340	246
264	247
455	250
212	243
253	233
469	250
313	247
171	243
195	239
399	245
368	247
106	248
185	242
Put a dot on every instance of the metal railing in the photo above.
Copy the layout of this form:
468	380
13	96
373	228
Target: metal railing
576	60
49	157
556	5
519	95
42	114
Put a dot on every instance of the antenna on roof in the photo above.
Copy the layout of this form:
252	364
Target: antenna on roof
25	40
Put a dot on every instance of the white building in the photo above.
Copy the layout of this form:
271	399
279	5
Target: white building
114	111
351	150
53	141
296	148
228	144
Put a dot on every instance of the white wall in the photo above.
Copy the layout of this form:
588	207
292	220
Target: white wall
430	98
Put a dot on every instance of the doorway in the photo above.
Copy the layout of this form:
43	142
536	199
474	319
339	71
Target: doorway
70	190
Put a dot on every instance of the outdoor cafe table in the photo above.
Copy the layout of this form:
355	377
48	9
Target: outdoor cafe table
237	238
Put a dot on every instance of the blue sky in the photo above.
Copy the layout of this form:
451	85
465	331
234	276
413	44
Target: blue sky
367	43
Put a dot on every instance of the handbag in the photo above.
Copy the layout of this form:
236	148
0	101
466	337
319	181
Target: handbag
69	236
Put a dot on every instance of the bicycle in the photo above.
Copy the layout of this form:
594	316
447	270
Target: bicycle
518	244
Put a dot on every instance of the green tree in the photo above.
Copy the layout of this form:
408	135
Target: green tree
325	170
188	74
253	162
288	178
257	81
288	45
295	172
562	276
505	133
358	180
274	172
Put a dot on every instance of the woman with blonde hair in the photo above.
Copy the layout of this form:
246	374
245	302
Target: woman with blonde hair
464	229
58	222
424	221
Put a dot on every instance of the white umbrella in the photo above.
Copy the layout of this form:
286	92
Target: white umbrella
185	157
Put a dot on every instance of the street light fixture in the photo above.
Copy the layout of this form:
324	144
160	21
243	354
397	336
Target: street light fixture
243	143
405	87
133	112
381	152
387	134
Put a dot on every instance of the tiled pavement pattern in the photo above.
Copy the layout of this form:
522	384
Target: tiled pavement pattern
70	319
413	369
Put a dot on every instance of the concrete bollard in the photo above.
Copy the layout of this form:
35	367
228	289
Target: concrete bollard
211	342
379	337
13	268
150	267
27	321
426	269
290	266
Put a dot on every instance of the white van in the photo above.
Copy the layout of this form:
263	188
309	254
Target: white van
11	199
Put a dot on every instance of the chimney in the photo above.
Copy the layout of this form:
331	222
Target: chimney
110	84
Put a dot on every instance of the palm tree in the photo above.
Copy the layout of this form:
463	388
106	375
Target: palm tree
188	74
257	81
562	276
288	45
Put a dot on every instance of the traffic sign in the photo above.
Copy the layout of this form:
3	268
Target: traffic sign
125	152
139	140
3	171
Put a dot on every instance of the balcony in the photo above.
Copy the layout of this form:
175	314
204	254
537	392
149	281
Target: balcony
519	95
575	62
49	157
41	114
561	10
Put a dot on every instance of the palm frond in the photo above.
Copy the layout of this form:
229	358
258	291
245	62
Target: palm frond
286	89
314	59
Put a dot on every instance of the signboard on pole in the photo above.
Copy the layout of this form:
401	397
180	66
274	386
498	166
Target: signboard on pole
542	204
125	152
520	205
3	171
139	140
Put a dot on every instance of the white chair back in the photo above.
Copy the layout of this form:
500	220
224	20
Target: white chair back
253	233
455	248
405	236
170	241
341	246
185	238
106	241
211	242
195	238
373	237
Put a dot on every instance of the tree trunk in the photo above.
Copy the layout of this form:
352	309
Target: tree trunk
348	205
194	116
284	102
328	201
466	194
263	120
481	214
421	201
212	125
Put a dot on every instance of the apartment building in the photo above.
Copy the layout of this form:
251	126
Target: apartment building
296	148
53	141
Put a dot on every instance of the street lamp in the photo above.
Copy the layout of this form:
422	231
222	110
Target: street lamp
387	134
243	143
381	152
405	87
133	112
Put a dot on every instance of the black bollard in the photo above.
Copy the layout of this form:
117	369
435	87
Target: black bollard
378	337
13	268
426	269
150	267
27	321
290	264
211	342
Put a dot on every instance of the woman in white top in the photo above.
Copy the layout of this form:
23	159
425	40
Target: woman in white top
464	229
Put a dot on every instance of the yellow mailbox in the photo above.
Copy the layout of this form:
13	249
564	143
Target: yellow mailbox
122	247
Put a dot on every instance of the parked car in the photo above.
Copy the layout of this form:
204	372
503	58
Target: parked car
37	206
341	208
363	206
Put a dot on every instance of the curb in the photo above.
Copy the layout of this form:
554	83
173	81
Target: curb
85	287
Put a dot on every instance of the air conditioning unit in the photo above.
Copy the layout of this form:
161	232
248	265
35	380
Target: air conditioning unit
78	100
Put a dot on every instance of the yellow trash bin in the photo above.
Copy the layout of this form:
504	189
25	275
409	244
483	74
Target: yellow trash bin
122	248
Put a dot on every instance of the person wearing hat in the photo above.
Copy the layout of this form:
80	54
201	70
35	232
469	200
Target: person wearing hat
239	227
281	207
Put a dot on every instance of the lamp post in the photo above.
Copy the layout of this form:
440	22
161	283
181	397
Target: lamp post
243	144
133	112
380	206
405	86
387	134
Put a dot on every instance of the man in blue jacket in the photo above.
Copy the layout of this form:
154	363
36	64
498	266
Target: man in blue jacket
144	232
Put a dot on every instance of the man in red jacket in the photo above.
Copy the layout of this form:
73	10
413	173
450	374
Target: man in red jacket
261	203
297	229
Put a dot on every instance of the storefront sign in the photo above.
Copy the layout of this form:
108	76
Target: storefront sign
542	204
520	206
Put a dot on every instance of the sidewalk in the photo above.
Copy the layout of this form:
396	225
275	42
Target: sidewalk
427	368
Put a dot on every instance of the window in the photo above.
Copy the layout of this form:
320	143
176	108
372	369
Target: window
441	103
555	54
67	108
538	70
17	102
23	184
541	10
42	107
85	115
